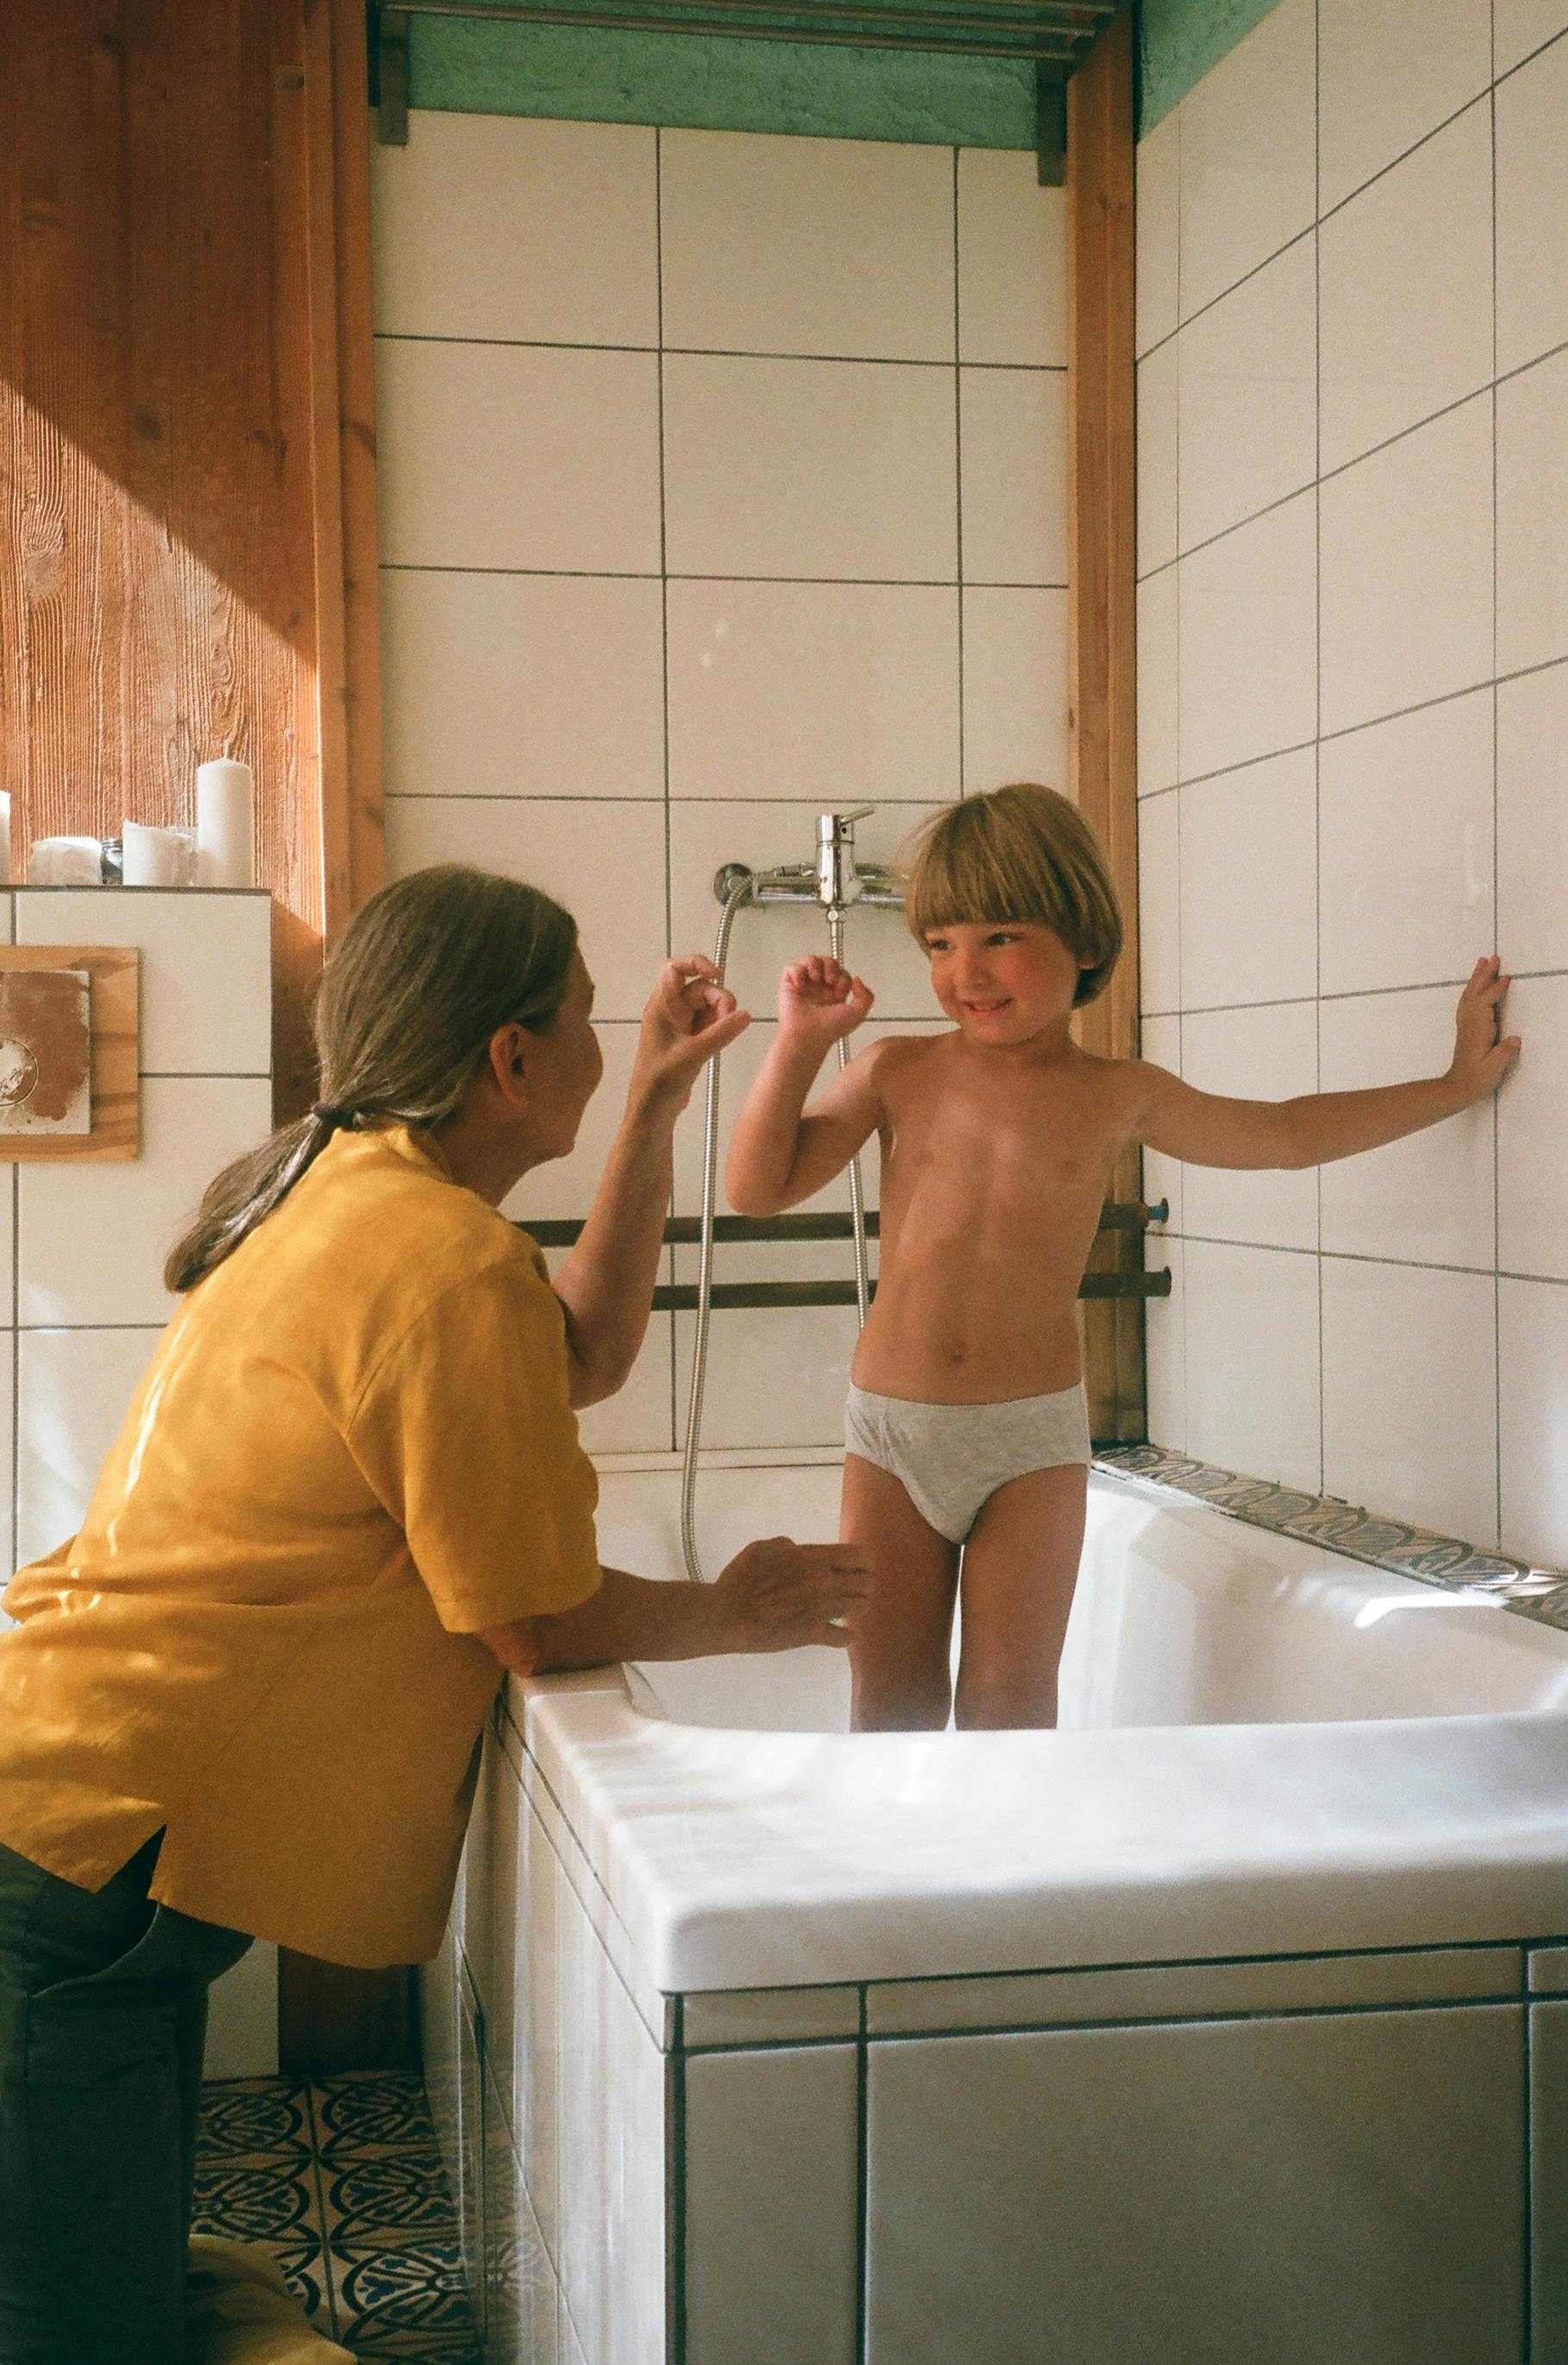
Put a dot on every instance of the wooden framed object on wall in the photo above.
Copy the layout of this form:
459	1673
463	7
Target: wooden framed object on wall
112	1049
1102	644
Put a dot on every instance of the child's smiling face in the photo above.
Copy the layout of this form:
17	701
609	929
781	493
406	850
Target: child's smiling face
1002	982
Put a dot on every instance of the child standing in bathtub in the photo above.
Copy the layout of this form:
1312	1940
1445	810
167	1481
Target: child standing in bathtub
967	1429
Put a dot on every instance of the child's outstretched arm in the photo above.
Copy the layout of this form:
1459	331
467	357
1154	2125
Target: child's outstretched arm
1207	1131
781	1152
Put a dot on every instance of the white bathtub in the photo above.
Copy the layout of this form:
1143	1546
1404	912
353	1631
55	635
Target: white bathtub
1209	2026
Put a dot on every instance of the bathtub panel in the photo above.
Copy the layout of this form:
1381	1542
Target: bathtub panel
1086	2179
612	2154
772	2141
1190	1990
1548	2181
521	2298
1548	1970
768	2016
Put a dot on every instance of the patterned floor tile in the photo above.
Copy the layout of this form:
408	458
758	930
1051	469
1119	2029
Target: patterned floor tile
342	2182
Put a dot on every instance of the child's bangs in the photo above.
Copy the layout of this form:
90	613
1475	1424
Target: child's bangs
968	870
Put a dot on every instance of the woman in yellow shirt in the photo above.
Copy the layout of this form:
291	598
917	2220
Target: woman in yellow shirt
245	1699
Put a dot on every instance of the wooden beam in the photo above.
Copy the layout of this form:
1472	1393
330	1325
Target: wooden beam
1101	651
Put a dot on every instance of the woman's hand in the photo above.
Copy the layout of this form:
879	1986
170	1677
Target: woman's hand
778	1594
1481	1059
688	1018
819	1000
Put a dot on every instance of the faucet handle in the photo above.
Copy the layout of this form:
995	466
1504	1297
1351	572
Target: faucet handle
832	826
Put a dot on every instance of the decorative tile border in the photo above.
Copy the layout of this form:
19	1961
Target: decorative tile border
341	2180
1359	1534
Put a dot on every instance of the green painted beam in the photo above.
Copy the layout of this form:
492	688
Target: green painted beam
707	82
1178	40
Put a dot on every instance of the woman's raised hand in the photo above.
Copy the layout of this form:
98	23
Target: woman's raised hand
780	1595
689	1016
819	1000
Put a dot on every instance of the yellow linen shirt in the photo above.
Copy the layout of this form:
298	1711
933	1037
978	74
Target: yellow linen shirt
352	1449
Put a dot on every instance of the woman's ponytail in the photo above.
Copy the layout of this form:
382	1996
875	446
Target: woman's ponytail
409	999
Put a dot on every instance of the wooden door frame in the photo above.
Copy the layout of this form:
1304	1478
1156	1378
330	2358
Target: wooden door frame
1102	647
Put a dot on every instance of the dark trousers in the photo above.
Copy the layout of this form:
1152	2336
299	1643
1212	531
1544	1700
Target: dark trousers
103	2013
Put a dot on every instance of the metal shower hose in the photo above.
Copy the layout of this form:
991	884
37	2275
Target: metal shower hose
732	902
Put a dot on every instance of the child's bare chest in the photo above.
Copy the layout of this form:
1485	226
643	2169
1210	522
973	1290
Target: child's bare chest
993	1152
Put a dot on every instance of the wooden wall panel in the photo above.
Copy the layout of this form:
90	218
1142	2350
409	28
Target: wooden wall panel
188	493
1101	651
172	388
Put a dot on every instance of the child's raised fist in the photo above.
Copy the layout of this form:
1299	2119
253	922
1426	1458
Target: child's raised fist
819	1000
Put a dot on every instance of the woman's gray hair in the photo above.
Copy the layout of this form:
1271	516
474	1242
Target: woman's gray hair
409	998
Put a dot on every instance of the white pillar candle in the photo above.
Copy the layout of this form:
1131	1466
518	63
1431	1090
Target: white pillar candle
154	857
4	840
226	824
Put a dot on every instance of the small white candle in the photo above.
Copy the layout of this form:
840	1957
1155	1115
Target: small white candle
4	840
226	824
65	862
153	858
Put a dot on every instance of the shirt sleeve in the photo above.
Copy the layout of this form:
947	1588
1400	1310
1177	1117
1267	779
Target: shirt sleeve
466	1434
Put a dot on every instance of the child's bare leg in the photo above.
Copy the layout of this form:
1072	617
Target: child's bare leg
1019	1569
899	1651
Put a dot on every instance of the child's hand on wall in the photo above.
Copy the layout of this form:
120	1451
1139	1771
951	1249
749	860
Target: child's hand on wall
819	1000
1482	1054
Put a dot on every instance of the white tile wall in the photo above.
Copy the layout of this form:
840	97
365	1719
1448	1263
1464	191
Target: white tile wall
1381	90
672	432
1247	166
1406	841
1402	625
1532	817
1429	1198
1532	516
1408	570
522	685
1521	26
810	468
774	245
1248	657
492	227
883	662
1248	898
1265	1054
1011	261
1532	210
1407	291
529	455
83	1282
1159	171
1248	435
1410	1394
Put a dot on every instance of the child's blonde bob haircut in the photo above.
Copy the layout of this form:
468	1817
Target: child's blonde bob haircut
1020	853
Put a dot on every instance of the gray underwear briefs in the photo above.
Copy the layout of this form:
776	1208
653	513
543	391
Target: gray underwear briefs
950	1459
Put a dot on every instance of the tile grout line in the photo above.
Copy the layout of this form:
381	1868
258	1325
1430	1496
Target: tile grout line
329	2279
1318	697
724	353
1361	187
959	480
668	1324
1372	451
1496	915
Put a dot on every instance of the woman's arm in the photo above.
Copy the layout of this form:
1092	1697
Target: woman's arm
779	1151
1205	1130
607	1284
773	1595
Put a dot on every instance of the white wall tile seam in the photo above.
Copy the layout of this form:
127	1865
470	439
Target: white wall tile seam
1480	98
675	575
1298	239
1349	1256
1549	43
1496	906
726	352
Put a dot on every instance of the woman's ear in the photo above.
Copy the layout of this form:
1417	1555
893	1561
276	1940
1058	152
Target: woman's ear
510	1061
